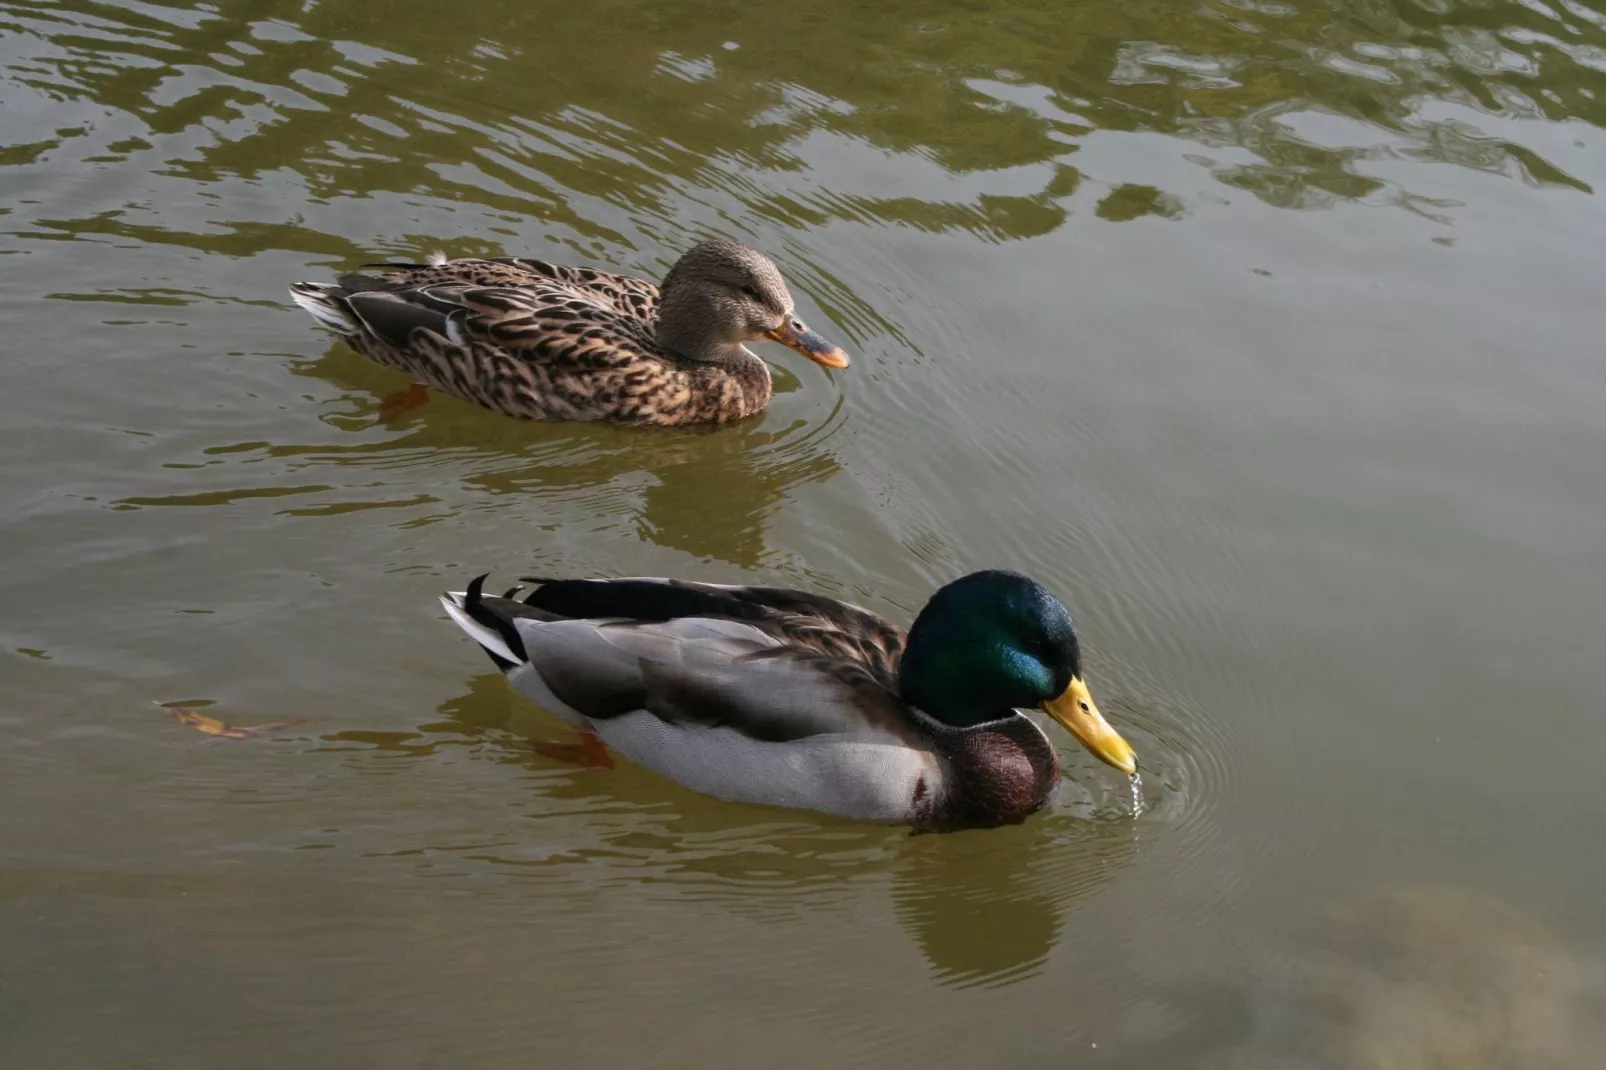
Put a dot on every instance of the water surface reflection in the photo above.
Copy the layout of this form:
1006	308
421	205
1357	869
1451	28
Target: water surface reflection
1265	333
982	908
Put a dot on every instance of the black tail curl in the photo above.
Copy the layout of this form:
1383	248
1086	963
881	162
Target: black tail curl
474	605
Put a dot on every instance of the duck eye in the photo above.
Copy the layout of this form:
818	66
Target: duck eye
750	292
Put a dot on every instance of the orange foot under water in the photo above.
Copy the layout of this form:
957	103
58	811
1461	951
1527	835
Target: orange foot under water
403	400
590	752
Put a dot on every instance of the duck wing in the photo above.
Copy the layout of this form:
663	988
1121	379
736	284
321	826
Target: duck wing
424	311
797	620
621	294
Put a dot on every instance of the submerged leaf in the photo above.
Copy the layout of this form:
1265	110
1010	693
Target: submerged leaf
214	727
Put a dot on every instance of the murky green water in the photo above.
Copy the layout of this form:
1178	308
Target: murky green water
1268	335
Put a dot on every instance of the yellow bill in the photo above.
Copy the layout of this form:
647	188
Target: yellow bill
1078	715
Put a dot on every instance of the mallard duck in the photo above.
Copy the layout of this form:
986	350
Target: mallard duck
780	697
542	341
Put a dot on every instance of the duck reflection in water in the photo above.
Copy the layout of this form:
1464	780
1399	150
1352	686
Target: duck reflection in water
707	491
984	908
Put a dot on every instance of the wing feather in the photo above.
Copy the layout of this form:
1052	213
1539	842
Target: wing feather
798	619
708	672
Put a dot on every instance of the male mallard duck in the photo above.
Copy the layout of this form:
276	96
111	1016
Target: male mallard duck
542	341
779	697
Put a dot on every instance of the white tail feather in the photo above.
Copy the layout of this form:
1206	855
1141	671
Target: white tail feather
322	308
488	638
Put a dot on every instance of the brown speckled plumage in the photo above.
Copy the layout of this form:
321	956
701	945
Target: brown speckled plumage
536	340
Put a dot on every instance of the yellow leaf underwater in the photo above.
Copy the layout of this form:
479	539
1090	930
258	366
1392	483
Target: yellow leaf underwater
213	727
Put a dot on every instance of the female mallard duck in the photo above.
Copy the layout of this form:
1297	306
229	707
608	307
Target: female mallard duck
779	697
541	341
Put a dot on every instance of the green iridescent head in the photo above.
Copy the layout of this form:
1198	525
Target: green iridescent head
993	642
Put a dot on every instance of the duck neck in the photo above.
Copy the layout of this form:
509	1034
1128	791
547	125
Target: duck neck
719	353
689	327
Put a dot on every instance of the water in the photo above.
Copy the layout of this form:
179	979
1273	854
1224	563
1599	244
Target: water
1267	335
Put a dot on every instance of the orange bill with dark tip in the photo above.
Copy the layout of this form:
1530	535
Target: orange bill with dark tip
794	334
